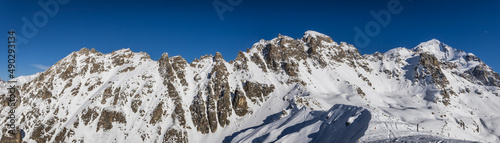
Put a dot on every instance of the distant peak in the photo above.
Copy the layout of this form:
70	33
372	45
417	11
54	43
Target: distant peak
283	36
432	46
164	55
399	52
93	50
218	57
439	49
83	49
87	51
433	41
311	33
124	50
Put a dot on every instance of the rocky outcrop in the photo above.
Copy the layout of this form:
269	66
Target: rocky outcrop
480	74
199	115
175	136
10	138
219	92
241	62
283	53
172	68
178	114
158	114
256	91
431	67
108	118
484	75
240	104
89	114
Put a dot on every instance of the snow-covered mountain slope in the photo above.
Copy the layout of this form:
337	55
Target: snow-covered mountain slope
308	89
18	81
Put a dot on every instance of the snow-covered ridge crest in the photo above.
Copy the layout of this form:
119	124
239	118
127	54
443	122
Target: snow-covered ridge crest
283	89
440	50
312	33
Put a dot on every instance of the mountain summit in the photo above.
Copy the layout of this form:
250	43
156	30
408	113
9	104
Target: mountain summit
439	50
311	89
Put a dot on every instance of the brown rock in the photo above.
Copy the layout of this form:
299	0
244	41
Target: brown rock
175	136
198	114
256	91
108	117
157	114
240	104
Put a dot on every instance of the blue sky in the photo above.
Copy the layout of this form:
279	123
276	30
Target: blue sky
194	28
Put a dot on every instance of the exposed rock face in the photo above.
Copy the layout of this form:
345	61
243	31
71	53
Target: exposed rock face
212	113
135	105
257	59
175	136
89	115
218	93
157	114
7	138
199	115
39	134
172	68
429	71
172	71
241	62
431	67
284	55
315	43
4	99
178	114
256	91
240	104
108	118
485	75
219	102
481	74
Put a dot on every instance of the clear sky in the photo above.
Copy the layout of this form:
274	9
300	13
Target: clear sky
194	28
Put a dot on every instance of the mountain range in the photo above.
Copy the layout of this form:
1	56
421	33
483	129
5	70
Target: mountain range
310	89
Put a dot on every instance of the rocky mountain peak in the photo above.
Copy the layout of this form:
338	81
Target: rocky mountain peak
439	49
164	56
85	51
466	65
314	34
433	41
218	57
399	52
315	38
433	46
